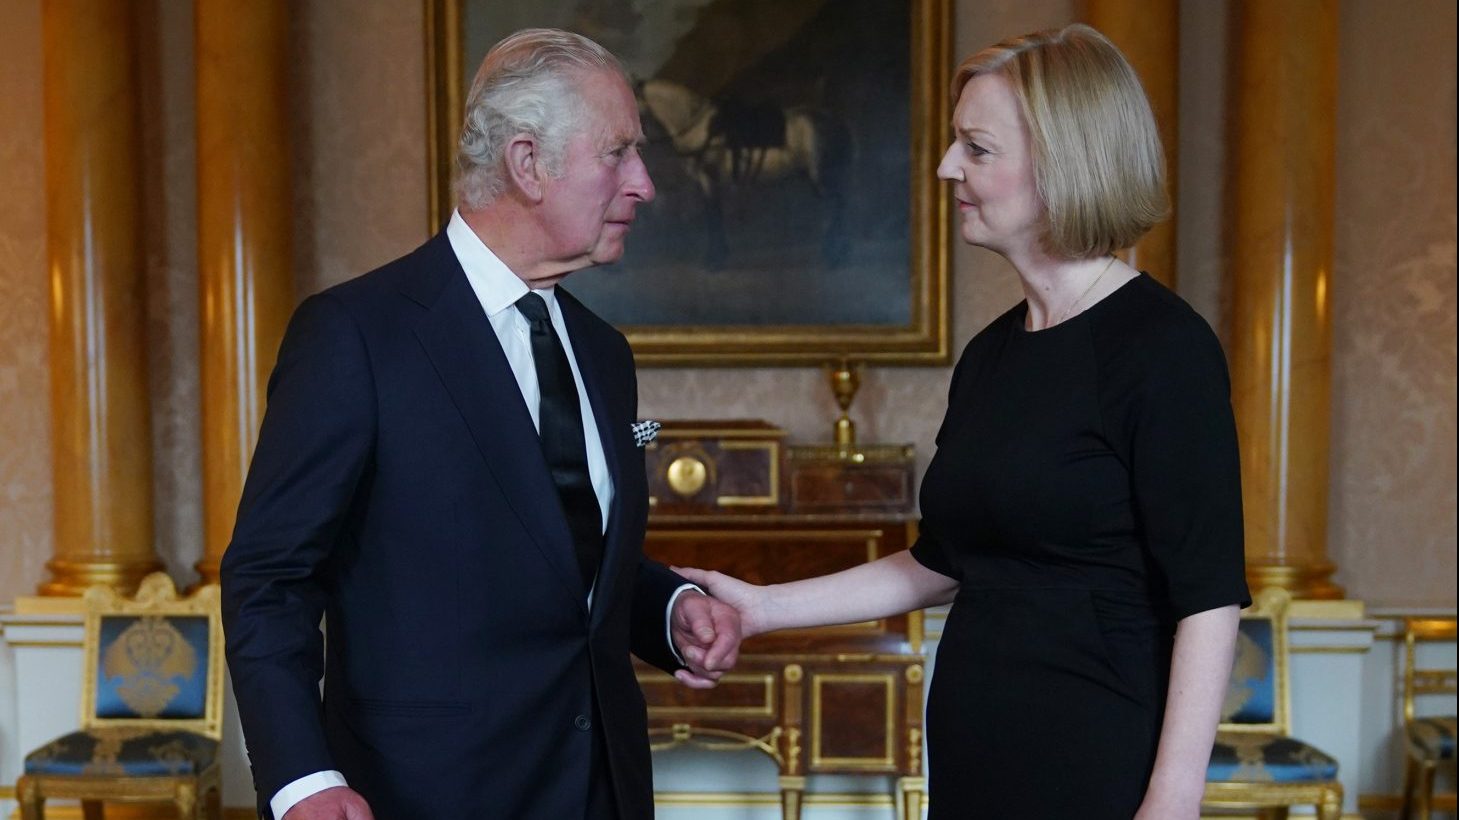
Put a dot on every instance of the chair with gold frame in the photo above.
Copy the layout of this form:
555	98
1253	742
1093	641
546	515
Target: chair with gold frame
1428	740
151	707
1256	762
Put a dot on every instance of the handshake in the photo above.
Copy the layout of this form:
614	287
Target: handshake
707	629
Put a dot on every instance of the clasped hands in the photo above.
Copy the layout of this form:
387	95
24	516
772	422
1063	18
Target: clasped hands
707	630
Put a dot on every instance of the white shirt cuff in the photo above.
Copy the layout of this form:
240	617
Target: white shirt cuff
306	786
669	620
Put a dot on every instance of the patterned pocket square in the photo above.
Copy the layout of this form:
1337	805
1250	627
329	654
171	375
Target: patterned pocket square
644	432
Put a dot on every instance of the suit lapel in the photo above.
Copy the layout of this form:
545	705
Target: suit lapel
467	356
611	414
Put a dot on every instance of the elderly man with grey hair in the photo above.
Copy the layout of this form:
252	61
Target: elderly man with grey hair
448	475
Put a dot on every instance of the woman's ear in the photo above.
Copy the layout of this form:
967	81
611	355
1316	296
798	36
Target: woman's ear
524	168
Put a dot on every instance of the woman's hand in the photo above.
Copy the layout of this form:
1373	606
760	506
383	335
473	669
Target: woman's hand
749	599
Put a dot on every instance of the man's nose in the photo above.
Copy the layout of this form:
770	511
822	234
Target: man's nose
640	185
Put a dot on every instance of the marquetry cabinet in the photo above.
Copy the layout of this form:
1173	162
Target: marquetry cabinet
831	700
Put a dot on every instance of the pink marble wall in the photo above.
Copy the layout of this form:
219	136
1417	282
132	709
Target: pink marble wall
360	200
25	450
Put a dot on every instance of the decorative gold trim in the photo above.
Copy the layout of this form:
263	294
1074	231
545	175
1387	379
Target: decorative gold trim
923	341
772	451
695	432
1303	582
858	454
888	761
714	740
47	644
443	105
156	596
767	709
769	799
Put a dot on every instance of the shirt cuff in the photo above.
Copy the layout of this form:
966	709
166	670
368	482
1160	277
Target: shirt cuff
306	786
669	620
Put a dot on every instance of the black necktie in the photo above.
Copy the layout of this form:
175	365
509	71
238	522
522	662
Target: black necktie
560	427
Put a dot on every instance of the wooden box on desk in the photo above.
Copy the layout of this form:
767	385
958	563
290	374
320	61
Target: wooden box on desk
843	699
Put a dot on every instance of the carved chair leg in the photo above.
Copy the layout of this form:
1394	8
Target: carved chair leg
92	810
1273	813
1410	787
1426	789
792	788
1331	806
215	802
185	798
909	791
32	804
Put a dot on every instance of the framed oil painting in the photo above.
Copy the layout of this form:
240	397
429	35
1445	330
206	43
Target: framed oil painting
793	145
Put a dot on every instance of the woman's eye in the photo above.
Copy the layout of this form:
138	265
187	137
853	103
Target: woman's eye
976	149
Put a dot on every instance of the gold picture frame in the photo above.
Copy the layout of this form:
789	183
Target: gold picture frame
827	323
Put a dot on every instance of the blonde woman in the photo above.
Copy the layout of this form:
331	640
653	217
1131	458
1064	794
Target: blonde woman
1082	512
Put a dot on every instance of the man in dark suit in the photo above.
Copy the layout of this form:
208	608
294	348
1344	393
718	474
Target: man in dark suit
448	475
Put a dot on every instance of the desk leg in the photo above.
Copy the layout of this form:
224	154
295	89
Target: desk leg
910	791
792	788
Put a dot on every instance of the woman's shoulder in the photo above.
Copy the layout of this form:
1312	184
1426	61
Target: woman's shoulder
1146	312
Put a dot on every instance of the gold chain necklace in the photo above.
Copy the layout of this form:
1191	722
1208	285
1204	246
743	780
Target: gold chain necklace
1068	311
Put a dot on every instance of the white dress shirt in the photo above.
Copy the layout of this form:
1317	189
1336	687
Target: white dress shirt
498	289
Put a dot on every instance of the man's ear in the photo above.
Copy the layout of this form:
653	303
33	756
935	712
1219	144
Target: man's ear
524	166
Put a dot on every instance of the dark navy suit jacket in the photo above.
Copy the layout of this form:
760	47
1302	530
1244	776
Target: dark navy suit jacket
399	489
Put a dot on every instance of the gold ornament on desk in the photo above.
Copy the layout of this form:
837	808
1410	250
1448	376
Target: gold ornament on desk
845	380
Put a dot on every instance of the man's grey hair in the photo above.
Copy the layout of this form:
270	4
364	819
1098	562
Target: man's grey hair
526	84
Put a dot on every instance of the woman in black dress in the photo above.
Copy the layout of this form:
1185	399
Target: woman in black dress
1083	509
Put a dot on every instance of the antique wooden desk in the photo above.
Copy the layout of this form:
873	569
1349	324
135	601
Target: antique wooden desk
842	700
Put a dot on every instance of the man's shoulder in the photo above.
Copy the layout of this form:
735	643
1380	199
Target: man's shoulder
418	274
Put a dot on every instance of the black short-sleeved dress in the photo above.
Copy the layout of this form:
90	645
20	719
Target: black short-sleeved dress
1086	494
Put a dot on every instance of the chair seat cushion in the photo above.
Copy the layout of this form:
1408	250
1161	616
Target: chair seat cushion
1248	757
129	752
1432	737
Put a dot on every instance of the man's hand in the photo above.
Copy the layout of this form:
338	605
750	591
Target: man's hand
334	803
707	635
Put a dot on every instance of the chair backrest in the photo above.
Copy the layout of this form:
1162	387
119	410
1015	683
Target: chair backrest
154	661
1418	680
1257	697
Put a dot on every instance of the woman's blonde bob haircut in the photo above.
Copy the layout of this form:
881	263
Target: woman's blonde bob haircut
1097	158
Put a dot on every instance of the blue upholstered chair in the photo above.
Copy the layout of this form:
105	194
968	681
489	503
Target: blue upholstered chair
1256	762
1428	739
151	707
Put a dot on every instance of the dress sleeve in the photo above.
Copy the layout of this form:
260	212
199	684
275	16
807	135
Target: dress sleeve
930	553
929	550
1186	473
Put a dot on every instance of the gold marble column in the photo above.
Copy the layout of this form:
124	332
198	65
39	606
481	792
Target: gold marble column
245	246
1284	102
1148	32
100	427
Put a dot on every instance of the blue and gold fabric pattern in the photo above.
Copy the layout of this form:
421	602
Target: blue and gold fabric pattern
152	666
133	752
1433	737
1249	757
1251	697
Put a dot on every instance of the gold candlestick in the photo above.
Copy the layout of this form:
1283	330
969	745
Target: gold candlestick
845	379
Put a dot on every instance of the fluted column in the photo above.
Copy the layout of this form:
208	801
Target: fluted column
1148	32
1284	101
244	239
100	428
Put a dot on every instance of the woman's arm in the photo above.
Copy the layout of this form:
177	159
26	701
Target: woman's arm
885	587
1200	671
